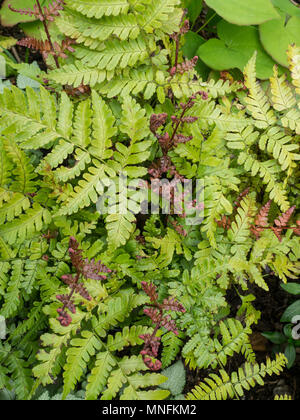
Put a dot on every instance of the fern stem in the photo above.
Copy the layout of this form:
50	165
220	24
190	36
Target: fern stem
48	33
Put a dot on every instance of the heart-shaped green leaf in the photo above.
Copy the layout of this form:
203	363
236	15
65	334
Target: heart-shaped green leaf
244	12
277	35
234	49
293	288
287	7
291	311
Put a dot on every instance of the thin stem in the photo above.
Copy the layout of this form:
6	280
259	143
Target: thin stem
16	55
179	122
206	23
72	292
48	33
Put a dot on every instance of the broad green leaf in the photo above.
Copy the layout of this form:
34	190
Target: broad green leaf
277	35
293	288
291	311
234	49
190	49
290	354
245	12
275	337
287	7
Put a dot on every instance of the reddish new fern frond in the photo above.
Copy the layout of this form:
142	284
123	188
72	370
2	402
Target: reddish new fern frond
238	201
47	13
47	48
168	141
282	221
186	66
155	311
84	268
261	220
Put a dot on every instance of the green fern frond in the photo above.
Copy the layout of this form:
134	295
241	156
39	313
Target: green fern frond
284	397
234	339
257	101
116	54
21	374
275	142
223	386
267	171
240	229
282	95
291	120
26	225
78	355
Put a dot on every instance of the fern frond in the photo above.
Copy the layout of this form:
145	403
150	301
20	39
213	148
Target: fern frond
12	298
240	228
21	375
277	143
291	120
119	228
92	32
282	95
267	171
284	397
234	338
14	207
23	171
77	74
116	54
103	128
171	347
222	386
26	225
78	355
257	101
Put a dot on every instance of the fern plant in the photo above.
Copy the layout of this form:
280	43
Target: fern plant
73	280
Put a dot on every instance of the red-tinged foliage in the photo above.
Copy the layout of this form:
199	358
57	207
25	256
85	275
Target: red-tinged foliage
46	13
47	48
150	290
261	220
225	222
155	311
186	66
282	221
84	268
238	201
168	141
